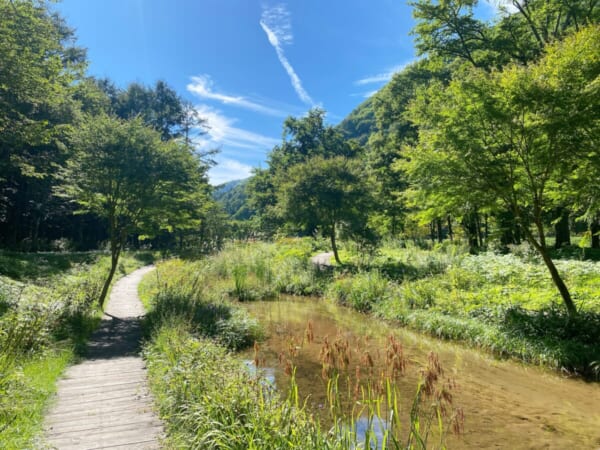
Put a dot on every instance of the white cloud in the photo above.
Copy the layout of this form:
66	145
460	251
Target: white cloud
222	132
276	24
501	7
380	77
202	86
228	170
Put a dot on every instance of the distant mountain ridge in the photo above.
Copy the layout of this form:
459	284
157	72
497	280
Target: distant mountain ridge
360	123
233	198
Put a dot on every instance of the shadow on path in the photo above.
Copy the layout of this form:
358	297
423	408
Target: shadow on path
115	337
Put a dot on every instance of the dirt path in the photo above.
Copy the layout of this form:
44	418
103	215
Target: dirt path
104	401
322	259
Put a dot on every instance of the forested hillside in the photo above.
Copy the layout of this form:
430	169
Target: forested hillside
233	198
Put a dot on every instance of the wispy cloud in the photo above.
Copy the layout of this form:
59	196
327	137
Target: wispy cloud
501	7
276	23
381	77
202	86
222	132
228	170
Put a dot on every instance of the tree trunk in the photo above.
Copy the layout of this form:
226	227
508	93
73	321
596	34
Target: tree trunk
479	232
561	229
556	278
438	226
595	232
115	251
469	224
450	232
334	246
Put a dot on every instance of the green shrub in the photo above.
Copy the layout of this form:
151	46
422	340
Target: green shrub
360	291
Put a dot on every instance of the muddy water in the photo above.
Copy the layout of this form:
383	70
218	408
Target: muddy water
506	404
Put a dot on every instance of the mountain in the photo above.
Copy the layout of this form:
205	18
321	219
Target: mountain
233	198
360	123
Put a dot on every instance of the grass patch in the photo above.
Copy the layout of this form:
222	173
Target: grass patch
209	399
505	304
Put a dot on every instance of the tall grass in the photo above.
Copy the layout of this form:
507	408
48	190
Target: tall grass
505	304
209	399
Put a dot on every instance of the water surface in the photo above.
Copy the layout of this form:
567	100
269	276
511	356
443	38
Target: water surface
506	404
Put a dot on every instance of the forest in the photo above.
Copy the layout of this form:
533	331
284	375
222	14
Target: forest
457	208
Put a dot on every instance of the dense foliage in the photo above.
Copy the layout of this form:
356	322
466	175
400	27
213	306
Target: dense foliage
55	122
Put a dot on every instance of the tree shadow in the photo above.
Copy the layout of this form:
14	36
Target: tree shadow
23	266
572	340
576	253
115	338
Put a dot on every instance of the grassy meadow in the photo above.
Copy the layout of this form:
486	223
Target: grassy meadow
48	307
502	304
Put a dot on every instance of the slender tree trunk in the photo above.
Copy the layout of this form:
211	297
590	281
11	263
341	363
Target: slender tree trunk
470	226
479	231
561	228
450	232
556	278
439	231
595	232
115	251
334	245
486	228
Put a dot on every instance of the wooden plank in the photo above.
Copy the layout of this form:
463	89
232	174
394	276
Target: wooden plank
104	402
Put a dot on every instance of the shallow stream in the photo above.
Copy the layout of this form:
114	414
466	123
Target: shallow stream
506	404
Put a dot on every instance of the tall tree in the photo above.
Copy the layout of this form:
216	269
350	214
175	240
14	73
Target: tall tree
328	194
513	136
450	29
124	173
37	71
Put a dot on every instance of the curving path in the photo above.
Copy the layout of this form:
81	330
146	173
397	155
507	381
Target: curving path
104	403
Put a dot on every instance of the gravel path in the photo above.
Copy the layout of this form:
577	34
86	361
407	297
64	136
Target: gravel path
104	403
322	260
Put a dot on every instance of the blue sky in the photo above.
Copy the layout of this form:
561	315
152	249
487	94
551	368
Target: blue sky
247	64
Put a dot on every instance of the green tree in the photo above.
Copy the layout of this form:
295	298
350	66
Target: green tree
303	139
38	69
329	194
124	173
450	29
512	137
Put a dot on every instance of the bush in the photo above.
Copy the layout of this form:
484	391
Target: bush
360	291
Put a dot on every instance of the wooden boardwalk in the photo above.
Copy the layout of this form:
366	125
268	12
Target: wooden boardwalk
104	403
